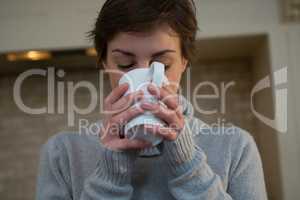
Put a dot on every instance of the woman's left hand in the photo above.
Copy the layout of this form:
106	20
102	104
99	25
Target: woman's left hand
170	112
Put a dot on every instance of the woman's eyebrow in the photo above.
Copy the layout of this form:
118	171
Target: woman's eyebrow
127	53
160	53
157	54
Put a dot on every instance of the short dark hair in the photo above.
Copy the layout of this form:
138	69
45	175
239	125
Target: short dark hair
142	16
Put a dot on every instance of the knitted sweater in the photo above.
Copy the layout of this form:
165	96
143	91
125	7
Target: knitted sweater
204	162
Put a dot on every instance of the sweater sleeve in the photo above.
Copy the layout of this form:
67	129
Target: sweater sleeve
190	176
246	178
110	179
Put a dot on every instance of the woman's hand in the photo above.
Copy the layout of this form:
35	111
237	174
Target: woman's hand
170	112
118	111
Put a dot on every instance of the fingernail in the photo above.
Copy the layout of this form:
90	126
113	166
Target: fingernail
152	87
141	110
125	84
147	105
137	93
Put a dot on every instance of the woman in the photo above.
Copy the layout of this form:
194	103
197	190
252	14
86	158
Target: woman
191	163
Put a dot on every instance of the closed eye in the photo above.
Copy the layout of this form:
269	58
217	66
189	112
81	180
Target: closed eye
125	66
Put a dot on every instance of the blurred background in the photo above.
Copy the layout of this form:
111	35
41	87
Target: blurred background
240	40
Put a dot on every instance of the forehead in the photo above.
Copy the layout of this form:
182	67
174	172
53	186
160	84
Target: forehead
158	39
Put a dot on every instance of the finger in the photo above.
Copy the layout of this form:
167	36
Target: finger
126	144
126	101
116	93
161	112
127	115
167	97
166	133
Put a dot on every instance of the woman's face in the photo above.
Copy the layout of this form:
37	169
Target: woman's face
128	51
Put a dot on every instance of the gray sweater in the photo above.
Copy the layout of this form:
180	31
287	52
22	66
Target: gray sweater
202	163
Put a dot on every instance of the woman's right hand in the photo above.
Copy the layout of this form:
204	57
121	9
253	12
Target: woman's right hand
118	111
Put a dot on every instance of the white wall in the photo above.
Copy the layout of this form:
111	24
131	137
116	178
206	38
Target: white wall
36	24
40	24
290	143
62	23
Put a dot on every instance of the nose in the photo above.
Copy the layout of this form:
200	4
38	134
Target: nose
143	63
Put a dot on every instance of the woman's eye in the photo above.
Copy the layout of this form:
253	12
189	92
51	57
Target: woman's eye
167	67
125	66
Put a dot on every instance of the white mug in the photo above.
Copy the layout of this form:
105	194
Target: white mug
139	79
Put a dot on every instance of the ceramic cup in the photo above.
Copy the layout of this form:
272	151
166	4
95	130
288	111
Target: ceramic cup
139	79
